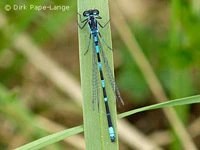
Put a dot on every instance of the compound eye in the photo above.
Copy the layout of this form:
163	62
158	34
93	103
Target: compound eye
95	12
86	13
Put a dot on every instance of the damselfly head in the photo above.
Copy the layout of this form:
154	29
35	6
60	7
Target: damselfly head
91	12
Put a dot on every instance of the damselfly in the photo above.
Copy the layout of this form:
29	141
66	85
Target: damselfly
91	19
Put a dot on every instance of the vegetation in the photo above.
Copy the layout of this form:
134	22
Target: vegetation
156	58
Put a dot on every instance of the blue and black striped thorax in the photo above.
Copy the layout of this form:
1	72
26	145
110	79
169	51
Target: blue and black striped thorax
92	22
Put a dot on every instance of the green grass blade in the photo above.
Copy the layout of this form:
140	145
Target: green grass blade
172	103
45	141
95	123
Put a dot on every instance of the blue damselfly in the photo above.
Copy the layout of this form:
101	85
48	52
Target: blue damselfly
92	17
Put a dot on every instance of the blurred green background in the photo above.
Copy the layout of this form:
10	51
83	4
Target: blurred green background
32	104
